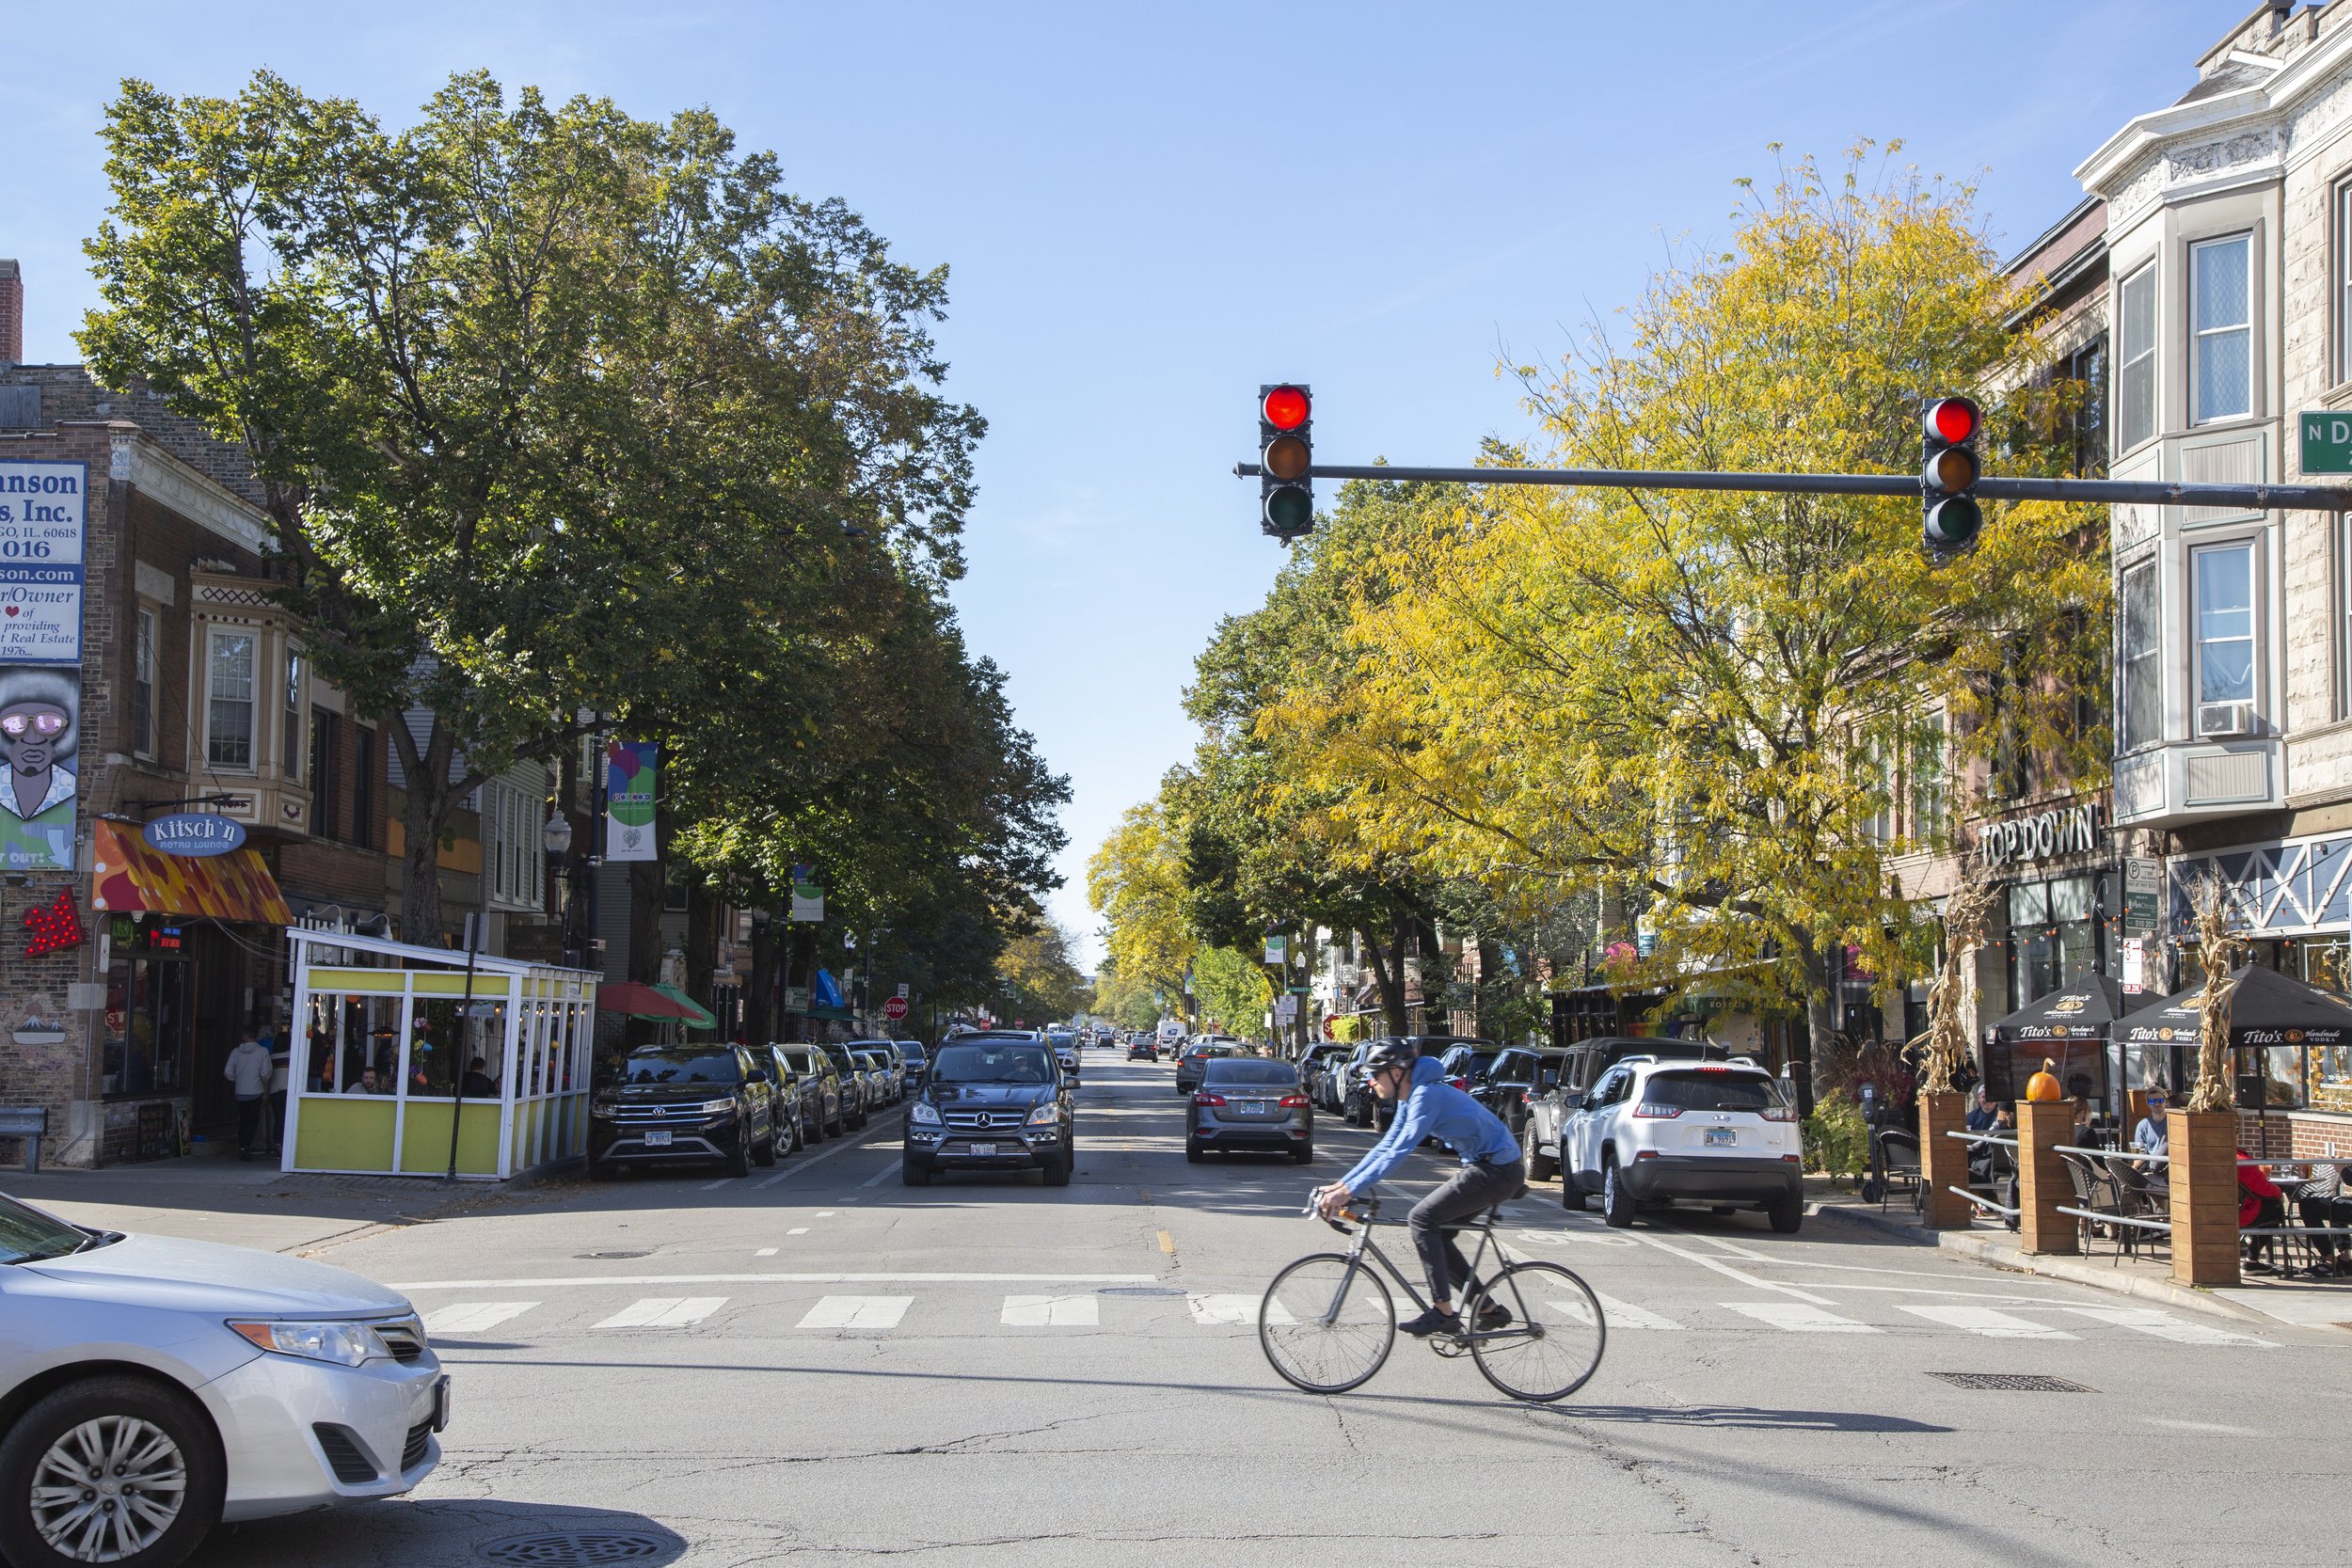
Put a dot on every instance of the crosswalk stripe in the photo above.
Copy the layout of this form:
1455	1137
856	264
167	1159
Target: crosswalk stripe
857	1312
1216	1309
1624	1314
1051	1312
1985	1320
1797	1318
664	1312
2163	1325
472	1317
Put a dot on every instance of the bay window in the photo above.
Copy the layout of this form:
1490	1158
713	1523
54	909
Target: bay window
2224	586
229	677
2136	360
2139	663
2222	339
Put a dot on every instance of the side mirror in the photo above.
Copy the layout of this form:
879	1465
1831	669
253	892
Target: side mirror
757	1075
1548	1081
1573	1101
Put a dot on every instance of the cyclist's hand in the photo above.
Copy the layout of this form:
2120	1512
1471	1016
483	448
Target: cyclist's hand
1331	1201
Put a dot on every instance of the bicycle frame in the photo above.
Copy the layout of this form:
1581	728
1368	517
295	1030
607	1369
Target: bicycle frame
1363	1244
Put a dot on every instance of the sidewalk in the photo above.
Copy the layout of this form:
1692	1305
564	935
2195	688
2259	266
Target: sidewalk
2303	1303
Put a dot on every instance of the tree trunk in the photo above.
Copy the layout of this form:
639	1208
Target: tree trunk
1389	977
1809	1069
702	941
759	1017
427	798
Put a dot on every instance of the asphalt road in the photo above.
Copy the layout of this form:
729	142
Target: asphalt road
815	1365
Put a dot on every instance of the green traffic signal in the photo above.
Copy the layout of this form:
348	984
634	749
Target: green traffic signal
1290	510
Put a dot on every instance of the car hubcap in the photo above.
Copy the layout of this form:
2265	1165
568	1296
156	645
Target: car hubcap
108	1489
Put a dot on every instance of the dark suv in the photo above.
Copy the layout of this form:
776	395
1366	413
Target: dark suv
820	1091
673	1104
800	1102
991	1102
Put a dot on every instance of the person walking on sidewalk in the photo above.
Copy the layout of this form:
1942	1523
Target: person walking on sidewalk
249	1068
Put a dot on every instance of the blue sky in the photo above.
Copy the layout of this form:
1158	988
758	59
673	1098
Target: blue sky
1150	209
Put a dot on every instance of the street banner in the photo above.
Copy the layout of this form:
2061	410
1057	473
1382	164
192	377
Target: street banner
1275	947
632	769
808	903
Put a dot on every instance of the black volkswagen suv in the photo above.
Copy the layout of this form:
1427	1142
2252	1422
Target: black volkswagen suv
991	1102
675	1104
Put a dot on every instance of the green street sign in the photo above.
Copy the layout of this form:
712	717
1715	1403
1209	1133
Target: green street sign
2327	441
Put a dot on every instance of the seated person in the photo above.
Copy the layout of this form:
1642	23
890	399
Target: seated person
366	1084
2259	1205
1980	1112
2321	1203
477	1083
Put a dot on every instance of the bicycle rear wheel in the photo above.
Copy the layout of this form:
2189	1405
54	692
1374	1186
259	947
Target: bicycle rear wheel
1326	1323
1555	1336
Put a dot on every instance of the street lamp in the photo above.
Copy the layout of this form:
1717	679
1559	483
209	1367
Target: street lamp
556	835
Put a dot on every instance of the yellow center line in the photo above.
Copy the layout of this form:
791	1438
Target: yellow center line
1168	1242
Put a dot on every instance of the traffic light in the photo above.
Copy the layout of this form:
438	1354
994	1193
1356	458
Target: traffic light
1948	471
1287	497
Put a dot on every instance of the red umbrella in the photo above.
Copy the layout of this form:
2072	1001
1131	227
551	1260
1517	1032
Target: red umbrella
639	1001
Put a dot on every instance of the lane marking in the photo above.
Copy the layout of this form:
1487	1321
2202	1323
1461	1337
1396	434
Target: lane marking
1985	1320
472	1317
1218	1308
1730	1273
1624	1314
857	1312
765	1252
828	1278
864	1140
1168	1242
827	1214
714	1186
664	1312
1796	1319
1051	1312
2163	1325
798	1231
879	1177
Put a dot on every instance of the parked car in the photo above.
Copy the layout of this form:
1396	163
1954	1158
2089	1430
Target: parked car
1361	1107
676	1104
1512	1082
1318	1061
876	1071
797	1102
217	1382
1661	1129
819	1077
1580	1066
857	1089
894	1083
1195	1060
991	1102
1247	1102
1065	1046
917	1058
1143	1051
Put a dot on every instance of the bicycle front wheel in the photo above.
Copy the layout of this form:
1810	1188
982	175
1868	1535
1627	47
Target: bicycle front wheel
1326	1323
1554	1341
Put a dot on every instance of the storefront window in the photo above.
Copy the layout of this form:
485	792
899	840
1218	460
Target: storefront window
146	1049
2052	937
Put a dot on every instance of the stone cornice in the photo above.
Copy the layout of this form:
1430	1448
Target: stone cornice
139	460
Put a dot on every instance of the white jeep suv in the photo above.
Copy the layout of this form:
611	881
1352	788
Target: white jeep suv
1711	1133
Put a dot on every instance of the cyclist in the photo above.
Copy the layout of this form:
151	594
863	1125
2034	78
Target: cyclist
1429	1107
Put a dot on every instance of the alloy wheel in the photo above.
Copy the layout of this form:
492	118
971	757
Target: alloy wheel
108	1489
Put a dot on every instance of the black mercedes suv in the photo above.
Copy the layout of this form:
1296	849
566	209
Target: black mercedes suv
991	1102
675	1104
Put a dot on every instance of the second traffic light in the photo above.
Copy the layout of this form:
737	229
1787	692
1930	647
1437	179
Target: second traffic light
1950	516
1286	495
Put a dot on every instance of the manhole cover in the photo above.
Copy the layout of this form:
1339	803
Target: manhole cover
1140	1291
576	1548
2014	1383
616	1254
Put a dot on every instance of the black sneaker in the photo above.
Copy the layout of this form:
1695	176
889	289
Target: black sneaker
1432	1321
1492	1316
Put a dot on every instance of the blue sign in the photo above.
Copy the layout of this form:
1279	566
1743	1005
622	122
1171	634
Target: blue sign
190	833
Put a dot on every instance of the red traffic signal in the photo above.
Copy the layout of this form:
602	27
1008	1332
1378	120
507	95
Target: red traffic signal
1948	470
1953	420
1286	407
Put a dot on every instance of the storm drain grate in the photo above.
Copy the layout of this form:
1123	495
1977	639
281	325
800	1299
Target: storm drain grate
2014	1383
1140	1291
585	1549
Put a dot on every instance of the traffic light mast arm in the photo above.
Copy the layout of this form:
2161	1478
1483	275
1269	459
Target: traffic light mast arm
2290	497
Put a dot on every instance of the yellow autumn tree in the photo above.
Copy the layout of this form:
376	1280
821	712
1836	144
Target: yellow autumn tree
1732	711
1135	881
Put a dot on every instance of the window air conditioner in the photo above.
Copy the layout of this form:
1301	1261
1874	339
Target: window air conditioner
2224	720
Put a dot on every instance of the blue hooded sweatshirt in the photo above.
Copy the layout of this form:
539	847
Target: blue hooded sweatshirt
1436	1109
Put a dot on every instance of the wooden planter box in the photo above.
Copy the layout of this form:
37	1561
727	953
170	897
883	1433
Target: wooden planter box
2043	1184
1944	1162
2204	1146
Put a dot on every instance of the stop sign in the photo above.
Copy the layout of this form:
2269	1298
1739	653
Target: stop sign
895	1008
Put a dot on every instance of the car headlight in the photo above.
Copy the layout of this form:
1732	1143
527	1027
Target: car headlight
1045	1114
346	1344
924	1112
712	1107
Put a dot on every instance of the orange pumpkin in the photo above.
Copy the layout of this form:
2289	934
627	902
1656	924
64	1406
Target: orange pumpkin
2042	1087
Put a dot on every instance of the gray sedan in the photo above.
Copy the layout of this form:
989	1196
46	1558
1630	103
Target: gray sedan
1249	1103
150	1388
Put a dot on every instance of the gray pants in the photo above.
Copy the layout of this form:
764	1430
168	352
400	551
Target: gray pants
1436	1220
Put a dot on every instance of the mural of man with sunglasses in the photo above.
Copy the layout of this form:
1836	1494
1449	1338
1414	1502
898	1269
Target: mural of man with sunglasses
38	709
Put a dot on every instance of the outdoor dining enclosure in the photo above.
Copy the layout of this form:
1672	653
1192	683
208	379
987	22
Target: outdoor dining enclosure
383	1078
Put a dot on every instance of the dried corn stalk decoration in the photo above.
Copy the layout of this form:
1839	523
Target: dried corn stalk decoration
1947	1038
2218	949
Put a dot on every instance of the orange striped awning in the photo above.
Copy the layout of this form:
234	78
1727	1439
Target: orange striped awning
130	876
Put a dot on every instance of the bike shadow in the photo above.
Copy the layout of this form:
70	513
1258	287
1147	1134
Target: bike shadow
1737	1418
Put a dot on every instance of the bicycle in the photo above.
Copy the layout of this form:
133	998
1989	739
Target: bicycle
1328	1322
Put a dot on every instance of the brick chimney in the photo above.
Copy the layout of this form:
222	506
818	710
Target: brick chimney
11	314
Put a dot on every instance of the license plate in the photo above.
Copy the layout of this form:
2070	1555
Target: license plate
1721	1137
1253	1107
440	1405
658	1138
984	1151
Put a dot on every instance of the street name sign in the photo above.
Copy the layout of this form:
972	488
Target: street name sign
2327	441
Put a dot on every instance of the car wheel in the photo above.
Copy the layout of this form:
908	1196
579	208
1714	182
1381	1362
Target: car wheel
739	1158
1788	1216
1541	1167
1057	1173
1194	1153
914	1172
1616	1200
765	1155
171	1478
1303	1155
835	1128
1572	1196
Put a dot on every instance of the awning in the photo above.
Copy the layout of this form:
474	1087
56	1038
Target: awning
2267	1008
2083	1011
694	1013
828	991
128	876
663	1003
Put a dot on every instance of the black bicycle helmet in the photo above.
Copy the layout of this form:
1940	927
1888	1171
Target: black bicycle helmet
1394	1054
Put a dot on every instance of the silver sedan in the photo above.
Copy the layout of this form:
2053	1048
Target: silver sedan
152	1388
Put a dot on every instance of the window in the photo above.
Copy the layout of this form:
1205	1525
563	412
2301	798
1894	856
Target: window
2140	643
143	686
513	858
2225	622
228	701
326	740
2221	340
290	718
2051	937
2344	282
2086	421
1927	798
363	787
2136	382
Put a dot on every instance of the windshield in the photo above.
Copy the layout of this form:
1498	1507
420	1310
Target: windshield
28	1236
655	1068
1696	1090
1241	1070
996	1062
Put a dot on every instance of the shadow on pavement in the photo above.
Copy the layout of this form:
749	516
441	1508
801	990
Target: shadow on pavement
1741	1416
444	1531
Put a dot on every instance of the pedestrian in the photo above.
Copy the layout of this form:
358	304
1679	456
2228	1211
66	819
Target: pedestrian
2259	1205
476	1083
248	1070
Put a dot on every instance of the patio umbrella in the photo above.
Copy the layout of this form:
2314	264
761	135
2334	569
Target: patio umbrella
642	1001
694	1013
2267	1011
2069	1026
